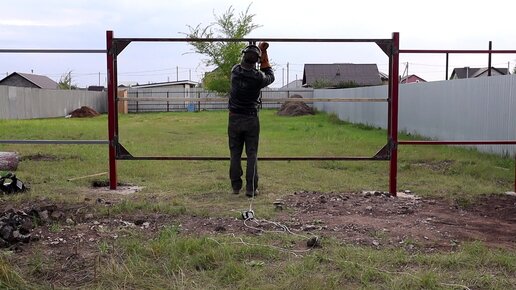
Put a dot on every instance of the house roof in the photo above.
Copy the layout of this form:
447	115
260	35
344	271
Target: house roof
293	85
409	78
40	81
164	84
472	72
362	74
383	76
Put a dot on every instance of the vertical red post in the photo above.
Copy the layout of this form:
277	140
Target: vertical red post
110	52
389	98
394	113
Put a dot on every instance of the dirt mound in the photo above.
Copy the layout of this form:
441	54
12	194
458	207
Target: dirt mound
84	112
295	108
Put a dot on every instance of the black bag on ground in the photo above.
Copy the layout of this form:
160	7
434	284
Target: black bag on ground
10	184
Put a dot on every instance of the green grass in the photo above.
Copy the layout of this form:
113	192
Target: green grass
437	171
173	261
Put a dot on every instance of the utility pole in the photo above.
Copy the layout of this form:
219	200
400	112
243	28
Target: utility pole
282	76
189	74
288	73
489	59
177	73
99	79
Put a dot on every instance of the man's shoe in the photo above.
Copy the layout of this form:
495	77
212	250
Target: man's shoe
236	191
250	193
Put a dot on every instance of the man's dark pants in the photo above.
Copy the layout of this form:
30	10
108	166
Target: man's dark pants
243	129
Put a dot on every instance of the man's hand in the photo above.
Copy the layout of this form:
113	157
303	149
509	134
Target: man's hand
263	46
264	61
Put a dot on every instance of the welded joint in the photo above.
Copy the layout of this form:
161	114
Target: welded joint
122	153
392	145
384	153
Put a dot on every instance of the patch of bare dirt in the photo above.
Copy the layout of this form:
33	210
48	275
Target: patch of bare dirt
46	157
424	224
40	157
77	237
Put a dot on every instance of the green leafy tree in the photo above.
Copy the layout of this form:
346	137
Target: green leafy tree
65	82
223	55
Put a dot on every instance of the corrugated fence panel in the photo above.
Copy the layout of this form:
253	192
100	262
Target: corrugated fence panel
373	114
466	109
29	103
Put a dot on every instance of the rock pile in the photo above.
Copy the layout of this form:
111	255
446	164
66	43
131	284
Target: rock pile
16	225
295	108
15	228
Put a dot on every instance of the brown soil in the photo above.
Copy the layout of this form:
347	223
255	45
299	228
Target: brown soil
84	112
295	108
371	219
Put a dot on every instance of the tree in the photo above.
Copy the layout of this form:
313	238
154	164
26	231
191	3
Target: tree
65	82
223	55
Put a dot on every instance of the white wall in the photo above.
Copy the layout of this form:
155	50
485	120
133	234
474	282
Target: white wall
464	109
31	103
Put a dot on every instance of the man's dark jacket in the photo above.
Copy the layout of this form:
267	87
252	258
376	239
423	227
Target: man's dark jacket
245	88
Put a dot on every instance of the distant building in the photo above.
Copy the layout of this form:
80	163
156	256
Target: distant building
297	84
411	79
336	74
384	77
168	85
471	72
28	81
96	88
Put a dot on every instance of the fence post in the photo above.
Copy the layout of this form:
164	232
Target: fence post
394	115
110	59
168	103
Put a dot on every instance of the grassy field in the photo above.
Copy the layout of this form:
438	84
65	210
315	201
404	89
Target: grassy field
170	260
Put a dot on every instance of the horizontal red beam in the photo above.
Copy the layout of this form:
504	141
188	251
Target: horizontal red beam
492	142
217	39
39	50
265	158
455	51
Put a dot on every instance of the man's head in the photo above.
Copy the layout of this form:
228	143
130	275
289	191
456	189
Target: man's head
251	55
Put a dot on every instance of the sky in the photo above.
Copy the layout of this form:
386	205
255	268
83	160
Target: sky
82	24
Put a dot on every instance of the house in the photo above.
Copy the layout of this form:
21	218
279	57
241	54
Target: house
168	85
297	84
470	72
384	77
340	74
411	79
28	81
96	88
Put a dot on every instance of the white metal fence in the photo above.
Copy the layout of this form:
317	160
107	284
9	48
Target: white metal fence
466	109
195	94
31	103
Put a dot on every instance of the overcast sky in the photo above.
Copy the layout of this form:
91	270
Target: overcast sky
437	24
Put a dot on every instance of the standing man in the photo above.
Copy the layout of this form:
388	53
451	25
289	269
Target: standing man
244	124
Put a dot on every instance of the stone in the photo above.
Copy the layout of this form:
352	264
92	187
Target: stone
6	233
43	215
57	215
70	221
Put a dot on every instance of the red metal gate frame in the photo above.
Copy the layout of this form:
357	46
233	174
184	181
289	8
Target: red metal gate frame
114	46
